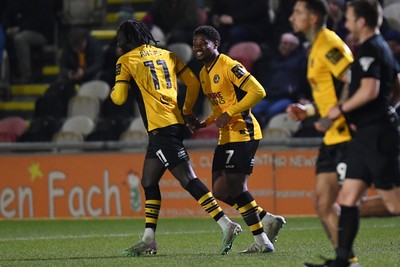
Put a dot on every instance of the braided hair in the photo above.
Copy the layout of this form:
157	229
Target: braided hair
136	31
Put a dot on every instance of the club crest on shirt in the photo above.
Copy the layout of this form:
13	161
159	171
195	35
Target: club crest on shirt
334	55
118	69
239	71
216	78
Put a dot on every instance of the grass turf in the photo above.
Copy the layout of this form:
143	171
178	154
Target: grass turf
183	242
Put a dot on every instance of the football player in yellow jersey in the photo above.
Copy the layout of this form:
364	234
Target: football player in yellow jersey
328	62
152	74
232	92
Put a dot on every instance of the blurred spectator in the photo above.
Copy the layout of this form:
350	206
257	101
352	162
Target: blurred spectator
284	80
2	45
336	17
156	31
393	39
111	55
5	92
239	21
176	18
27	24
82	57
280	22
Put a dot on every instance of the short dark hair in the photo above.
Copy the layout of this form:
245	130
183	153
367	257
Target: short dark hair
208	31
319	7
370	10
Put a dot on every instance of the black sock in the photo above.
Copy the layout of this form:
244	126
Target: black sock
349	221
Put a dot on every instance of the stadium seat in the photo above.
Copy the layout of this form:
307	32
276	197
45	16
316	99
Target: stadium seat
54	102
84	105
111	110
246	53
389	2
210	132
65	137
41	130
283	121
78	12
135	131
182	50
108	129
276	133
96	88
80	124
11	128
392	13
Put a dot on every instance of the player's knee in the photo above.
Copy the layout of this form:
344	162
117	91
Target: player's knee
147	183
220	194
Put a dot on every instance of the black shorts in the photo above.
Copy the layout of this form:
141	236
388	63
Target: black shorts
373	156
235	157
166	144
331	158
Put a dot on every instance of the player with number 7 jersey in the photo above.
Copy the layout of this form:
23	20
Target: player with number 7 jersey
232	91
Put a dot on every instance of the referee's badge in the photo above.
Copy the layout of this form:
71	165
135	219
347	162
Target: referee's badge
216	78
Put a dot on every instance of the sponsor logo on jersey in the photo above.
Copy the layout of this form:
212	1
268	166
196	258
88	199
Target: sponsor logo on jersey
216	98
239	71
165	99
118	69
334	55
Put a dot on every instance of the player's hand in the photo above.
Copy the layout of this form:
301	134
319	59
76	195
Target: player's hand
323	124
296	112
222	120
334	113
193	123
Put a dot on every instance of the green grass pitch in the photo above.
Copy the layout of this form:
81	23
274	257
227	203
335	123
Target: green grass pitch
183	242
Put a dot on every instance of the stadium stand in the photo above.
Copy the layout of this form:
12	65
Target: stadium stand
81	124
135	131
96	88
285	123
41	130
108	129
182	50
85	106
246	53
392	13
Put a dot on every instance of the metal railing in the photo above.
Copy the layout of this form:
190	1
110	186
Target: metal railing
140	145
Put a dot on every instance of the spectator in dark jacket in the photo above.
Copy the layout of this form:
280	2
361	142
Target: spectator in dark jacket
239	21
284	80
82	57
27	24
176	18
